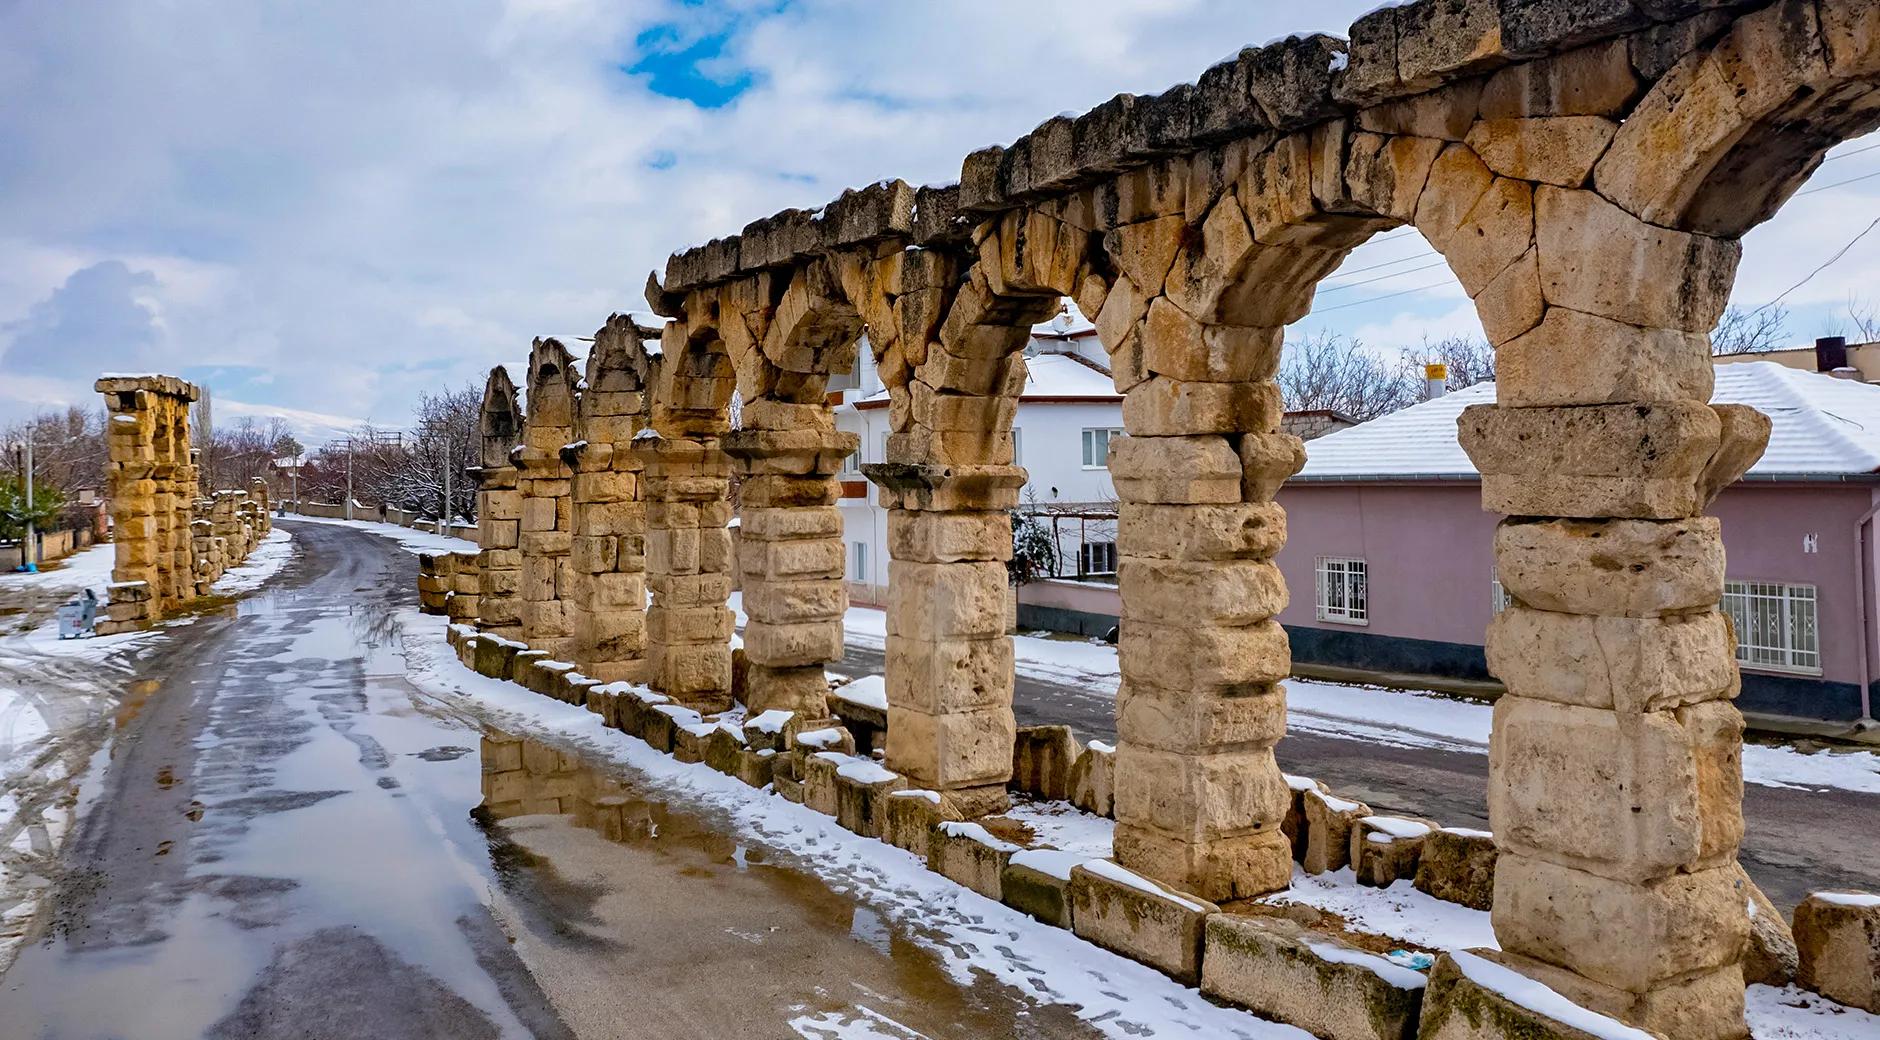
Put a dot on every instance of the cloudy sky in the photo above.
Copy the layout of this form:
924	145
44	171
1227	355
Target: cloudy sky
331	207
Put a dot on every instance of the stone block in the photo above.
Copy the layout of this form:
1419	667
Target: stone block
1457	865
1093	779
1246	530
1590	250
1131	915
957	749
1174	592
1243	866
1199	797
1329	821
941	600
1178	470
1633	461
862	789
793	646
922	537
1470	997
1293	826
968	854
1838	937
908	817
1385	849
818	773
1042	757
949	675
1653	793
1574	358
1558	150
1037	883
522	665
1281	972
1631	937
1163	407
1631	665
1182	718
1772	957
1615	568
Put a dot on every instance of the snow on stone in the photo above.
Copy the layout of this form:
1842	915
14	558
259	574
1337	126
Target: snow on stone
681	716
1521	990
1106	869
701	730
1066	827
861	770
1333	802
820	737
926	796
1400	977
870	691
975	832
1300	783
1400	911
771	721
1468	832
1860	899
1052	862
1390	828
1101	747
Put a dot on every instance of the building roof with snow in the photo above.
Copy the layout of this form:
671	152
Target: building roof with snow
1823	428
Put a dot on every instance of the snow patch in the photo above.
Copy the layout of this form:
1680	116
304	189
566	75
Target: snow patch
1104	868
1532	995
870	691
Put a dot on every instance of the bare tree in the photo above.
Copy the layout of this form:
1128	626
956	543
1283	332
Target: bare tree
1470	360
1327	371
1742	331
1864	317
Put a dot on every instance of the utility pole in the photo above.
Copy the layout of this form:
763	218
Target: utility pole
446	517
349	487
28	561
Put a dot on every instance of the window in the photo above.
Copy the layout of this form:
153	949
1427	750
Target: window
853	464
1342	593
1097	448
1018	447
1499	600
1096	558
1775	625
860	557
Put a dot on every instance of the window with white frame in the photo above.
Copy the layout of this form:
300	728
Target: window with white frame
853	464
1096	558
1343	594
1499	600
860	560
1776	625
1018	447
1097	448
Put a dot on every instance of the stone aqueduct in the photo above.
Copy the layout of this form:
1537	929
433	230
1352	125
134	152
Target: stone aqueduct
1586	168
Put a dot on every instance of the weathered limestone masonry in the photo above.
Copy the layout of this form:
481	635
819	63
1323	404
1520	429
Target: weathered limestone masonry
687	486
499	512
608	609
1587	170
151	479
547	520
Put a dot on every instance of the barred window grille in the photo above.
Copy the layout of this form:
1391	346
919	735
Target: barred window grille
1499	599
1776	625
1097	558
1342	591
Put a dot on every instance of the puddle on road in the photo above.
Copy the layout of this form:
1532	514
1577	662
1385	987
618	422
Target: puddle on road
611	884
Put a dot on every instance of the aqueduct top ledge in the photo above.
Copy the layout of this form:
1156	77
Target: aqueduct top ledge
1392	53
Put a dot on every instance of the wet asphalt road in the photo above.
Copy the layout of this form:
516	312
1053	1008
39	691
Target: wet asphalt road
286	842
1795	841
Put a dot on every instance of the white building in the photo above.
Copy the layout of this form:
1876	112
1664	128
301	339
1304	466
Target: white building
1068	412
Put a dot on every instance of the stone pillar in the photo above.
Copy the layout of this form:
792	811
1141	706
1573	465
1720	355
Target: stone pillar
687	484
149	460
1199	796
499	511
1615	774
609	556
547	522
790	555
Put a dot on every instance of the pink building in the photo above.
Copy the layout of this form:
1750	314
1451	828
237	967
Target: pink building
1390	562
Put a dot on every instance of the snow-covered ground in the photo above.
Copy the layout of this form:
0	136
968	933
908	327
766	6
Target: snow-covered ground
87	568
975	937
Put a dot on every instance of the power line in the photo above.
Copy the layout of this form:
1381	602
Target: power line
1825	264
1392	263
1845	155
1380	299
1381	277
1837	184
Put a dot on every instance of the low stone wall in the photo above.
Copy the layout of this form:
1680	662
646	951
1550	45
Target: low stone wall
395	517
53	545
